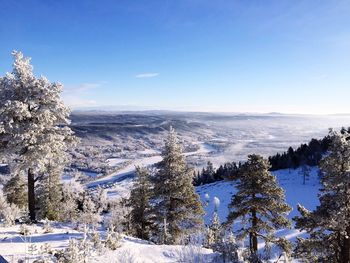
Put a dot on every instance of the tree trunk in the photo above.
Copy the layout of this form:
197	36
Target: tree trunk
254	236
345	250
31	195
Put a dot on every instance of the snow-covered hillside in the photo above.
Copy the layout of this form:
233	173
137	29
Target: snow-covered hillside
290	180
13	245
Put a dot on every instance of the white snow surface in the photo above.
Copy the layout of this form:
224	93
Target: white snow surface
14	246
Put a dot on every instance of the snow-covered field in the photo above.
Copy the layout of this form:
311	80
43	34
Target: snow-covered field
14	246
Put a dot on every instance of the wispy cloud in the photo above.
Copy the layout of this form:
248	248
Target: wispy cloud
82	94
74	102
83	87
147	75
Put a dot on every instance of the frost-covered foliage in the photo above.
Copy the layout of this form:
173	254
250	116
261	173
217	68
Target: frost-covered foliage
24	230
228	248
47	227
8	212
49	194
89	214
15	191
89	158
213	232
74	253
179	211
70	196
33	124
139	202
112	240
260	204
101	200
118	217
328	225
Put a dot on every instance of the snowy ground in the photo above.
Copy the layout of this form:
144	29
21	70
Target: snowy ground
136	250
14	246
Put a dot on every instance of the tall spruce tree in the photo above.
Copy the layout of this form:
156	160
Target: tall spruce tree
49	193
260	204
177	206
328	226
139	201
33	124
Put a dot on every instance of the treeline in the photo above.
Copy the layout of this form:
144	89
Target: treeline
310	154
306	154
227	171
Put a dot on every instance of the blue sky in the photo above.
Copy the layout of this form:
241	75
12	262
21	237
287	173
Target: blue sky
232	56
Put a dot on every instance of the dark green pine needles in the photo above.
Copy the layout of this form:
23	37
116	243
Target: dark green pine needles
260	204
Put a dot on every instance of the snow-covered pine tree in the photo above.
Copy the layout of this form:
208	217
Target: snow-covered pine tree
8	212
50	193
213	232
90	215
15	191
228	248
33	124
260	203
179	211
101	200
215	226
328	225
70	197
139	202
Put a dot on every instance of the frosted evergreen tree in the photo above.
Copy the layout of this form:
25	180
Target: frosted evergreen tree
89	216
179	211
15	191
139	202
8	212
73	253
228	248
101	200
215	226
112	240
213	232
33	124
70	197
328	225
260	204
50	193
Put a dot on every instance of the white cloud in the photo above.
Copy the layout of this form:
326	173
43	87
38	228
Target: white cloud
80	95
74	101
147	75
83	87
